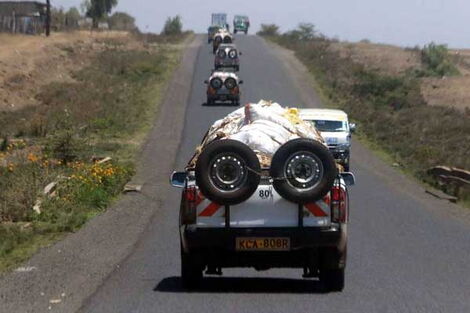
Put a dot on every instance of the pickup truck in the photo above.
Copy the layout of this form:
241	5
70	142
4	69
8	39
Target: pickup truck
227	57
221	36
236	213
336	129
218	21
223	86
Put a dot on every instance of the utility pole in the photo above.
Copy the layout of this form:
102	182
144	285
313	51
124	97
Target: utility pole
48	18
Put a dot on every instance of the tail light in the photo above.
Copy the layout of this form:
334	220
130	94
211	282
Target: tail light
211	91
234	91
189	204
338	205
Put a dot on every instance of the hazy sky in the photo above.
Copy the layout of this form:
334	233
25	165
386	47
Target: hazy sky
401	22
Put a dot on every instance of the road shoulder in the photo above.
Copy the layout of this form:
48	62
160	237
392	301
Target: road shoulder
64	275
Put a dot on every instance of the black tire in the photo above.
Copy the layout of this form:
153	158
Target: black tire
230	83
216	83
332	279
235	31
237	68
226	172
191	271
246	32
304	157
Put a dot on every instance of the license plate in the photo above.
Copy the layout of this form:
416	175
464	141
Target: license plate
331	141
263	244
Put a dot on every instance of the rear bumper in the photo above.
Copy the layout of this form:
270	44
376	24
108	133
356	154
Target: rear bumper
325	247
223	97
224	238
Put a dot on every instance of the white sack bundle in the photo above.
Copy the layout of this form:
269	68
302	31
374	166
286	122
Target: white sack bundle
263	126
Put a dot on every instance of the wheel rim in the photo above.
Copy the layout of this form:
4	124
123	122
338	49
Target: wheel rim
303	170
227	172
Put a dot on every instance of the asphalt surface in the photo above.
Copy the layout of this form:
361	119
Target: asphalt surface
408	252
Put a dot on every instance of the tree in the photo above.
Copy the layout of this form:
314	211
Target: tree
72	17
173	26
98	9
121	21
269	30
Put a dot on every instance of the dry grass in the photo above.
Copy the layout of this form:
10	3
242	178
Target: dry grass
388	59
451	92
101	104
29	62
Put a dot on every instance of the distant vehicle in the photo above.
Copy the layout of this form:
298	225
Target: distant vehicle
222	87
211	31
222	36
241	23
218	21
335	129
227	56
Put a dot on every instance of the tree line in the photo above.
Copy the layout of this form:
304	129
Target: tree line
96	13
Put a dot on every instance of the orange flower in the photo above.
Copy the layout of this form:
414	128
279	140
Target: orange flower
32	158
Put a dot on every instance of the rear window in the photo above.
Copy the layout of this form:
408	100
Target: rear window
330	126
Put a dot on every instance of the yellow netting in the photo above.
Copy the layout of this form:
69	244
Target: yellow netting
292	114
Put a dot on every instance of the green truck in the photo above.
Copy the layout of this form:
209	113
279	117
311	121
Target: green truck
241	23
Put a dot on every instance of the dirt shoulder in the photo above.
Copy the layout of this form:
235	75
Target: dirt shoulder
74	268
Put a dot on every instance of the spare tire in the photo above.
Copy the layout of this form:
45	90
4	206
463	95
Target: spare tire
226	172
227	39
303	170
230	83
216	83
221	54
232	53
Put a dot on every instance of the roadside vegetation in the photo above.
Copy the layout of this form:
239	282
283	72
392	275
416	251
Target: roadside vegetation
67	158
389	108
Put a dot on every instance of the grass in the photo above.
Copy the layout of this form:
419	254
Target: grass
389	109
106	111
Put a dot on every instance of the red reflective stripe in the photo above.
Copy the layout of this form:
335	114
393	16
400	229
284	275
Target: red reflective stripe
199	199
210	210
315	210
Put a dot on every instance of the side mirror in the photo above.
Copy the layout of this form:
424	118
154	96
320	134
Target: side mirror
348	178
178	179
240	53
352	127
240	82
206	82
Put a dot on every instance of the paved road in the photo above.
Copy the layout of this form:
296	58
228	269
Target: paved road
407	251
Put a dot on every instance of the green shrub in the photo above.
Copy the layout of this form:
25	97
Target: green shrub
173	26
268	30
437	61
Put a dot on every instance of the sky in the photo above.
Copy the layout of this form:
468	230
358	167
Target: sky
400	22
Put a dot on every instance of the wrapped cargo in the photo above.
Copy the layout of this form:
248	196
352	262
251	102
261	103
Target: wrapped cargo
264	127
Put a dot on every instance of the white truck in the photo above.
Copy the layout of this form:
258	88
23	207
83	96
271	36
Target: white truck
218	21
239	209
335	128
